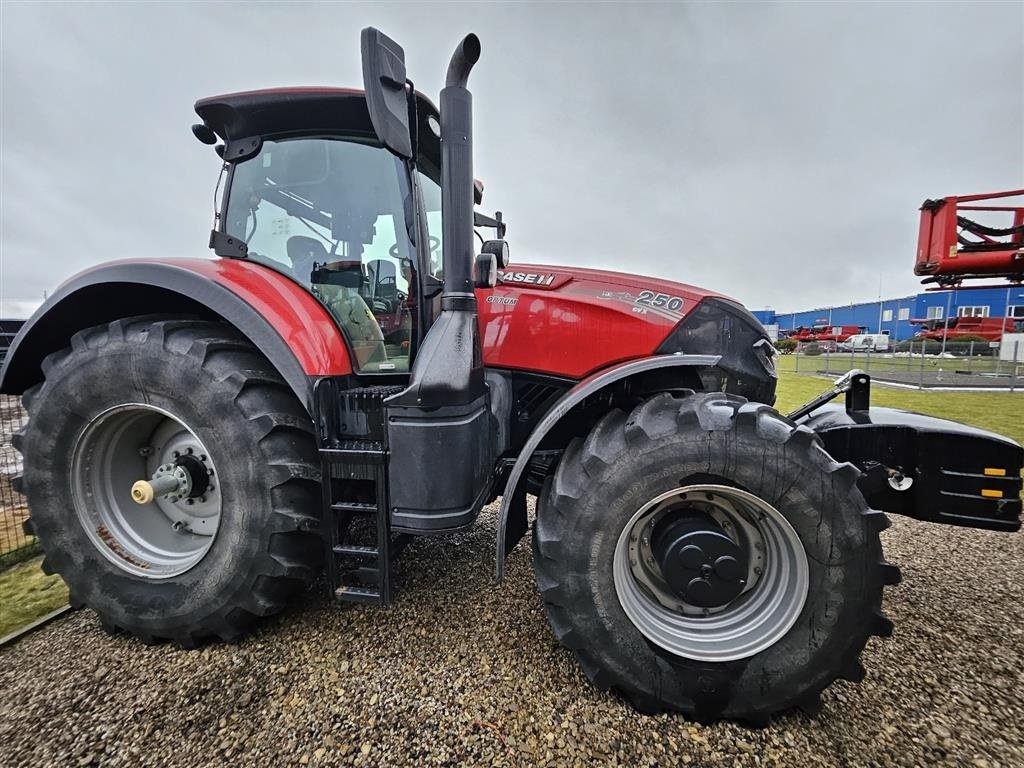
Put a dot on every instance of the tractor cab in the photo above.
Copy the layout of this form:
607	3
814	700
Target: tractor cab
313	193
341	191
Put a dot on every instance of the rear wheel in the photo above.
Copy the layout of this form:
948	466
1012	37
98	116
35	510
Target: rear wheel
706	555
172	479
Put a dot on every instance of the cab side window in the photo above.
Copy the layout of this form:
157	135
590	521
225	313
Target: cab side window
331	213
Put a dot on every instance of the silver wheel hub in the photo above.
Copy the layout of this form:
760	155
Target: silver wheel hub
769	588
169	534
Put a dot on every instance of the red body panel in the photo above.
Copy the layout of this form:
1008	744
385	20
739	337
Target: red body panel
302	321
569	321
562	321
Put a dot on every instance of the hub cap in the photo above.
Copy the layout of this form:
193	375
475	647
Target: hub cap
711	573
168	535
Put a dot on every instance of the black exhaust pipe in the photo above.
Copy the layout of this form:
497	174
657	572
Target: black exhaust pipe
449	369
457	177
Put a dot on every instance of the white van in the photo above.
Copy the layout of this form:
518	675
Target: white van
864	342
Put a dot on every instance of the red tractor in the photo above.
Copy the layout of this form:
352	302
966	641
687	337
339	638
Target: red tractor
206	436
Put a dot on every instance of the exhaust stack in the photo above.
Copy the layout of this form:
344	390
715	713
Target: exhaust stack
448	370
457	176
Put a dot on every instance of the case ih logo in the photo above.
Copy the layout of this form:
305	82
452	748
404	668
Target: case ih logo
528	278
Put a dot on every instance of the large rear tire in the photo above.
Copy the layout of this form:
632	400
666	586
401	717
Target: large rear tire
811	580
195	396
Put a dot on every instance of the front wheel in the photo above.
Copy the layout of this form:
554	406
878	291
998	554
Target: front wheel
706	555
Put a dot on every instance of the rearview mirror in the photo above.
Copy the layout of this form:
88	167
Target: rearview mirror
384	81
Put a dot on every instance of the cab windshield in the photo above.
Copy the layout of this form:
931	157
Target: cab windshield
331	213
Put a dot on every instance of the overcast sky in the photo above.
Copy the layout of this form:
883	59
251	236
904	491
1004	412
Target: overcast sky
777	153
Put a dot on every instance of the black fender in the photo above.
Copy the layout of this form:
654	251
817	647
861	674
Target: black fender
125	289
512	522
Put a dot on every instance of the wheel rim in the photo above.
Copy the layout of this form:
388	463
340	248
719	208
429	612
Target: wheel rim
755	620
162	538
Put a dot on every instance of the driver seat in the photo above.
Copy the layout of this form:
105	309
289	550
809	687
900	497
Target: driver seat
338	286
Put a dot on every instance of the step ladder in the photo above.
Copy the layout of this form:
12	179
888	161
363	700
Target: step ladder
360	548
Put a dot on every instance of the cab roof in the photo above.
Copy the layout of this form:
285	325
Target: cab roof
278	112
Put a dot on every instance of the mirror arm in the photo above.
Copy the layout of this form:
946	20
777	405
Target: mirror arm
482	220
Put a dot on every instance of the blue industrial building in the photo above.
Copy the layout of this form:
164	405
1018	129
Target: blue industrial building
894	315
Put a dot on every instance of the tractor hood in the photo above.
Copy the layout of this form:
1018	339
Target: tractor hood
572	321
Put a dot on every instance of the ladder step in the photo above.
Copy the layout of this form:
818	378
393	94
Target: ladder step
354	507
357	595
353	455
355	550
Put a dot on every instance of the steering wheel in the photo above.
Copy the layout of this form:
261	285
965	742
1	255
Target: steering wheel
433	242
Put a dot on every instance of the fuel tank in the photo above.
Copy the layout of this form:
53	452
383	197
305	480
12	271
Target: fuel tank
571	321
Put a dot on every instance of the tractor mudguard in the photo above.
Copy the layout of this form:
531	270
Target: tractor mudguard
281	318
512	522
925	467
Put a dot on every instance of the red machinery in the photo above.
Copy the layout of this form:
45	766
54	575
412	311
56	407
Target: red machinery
834	333
955	328
952	246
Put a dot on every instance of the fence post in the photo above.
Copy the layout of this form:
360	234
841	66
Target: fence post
796	358
920	378
828	359
970	358
1013	364
867	360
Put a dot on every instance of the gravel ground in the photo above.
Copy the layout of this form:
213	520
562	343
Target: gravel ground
462	671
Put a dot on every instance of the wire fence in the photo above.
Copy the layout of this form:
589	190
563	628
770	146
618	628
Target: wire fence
8	330
922	364
15	544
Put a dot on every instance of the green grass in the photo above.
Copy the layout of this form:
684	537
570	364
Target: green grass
26	594
1000	412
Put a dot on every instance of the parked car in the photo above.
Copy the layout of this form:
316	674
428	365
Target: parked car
864	342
